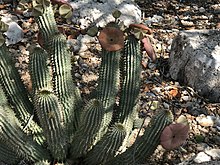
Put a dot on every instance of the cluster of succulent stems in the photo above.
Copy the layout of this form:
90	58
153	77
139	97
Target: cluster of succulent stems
53	123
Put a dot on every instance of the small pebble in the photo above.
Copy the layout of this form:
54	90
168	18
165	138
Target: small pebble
213	129
165	105
176	30
214	153
195	7
169	48
202	157
206	121
216	139
84	65
150	94
77	75
157	89
217	122
151	66
154	19
186	98
187	23
201	9
202	146
202	129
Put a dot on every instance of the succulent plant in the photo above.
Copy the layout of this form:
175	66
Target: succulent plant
53	124
65	11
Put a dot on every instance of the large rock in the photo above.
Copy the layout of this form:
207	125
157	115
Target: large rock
99	12
195	61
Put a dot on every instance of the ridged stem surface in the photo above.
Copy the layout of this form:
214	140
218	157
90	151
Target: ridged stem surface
17	94
39	70
130	84
13	87
56	45
107	147
145	145
47	24
130	80
63	84
50	114
13	136
7	155
108	85
90	123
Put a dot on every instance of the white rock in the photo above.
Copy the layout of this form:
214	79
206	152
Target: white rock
8	18
195	7
187	23
202	157
196	62
157	18
157	89
117	2
130	14
154	19
206	121
186	98
83	48
81	41
201	9
214	153
85	39
88	12
14	34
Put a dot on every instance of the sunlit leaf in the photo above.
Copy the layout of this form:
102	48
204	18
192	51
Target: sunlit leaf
116	14
39	6
92	31
153	105
3	27
2	39
66	11
182	119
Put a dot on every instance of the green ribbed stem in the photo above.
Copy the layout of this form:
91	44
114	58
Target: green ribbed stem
16	93
108	85
130	80
90	123
145	145
11	133
40	76
48	163
39	69
63	81
43	162
130	84
50	114
56	45
7	155
13	86
107	147
47	24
